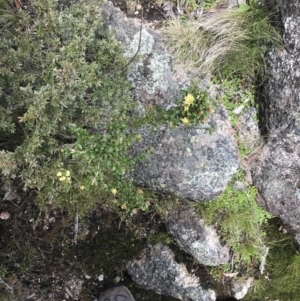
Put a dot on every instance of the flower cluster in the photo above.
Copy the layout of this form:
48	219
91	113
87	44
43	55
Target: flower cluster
188	100
184	120
195	106
64	176
114	191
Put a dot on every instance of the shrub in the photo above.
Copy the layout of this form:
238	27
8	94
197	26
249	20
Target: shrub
64	109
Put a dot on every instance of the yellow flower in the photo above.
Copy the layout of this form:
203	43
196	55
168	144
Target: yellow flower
81	187
186	108
62	179
134	211
67	173
114	191
124	206
188	100
140	191
184	120
68	179
59	174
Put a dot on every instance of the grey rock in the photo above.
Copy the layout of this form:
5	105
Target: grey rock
281	101
194	163
297	238
276	175
239	186
157	270
235	3
151	73
247	129
240	287
190	162
195	238
276	167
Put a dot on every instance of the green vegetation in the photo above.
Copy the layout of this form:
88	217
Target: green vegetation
260	249
64	108
67	127
240	222
66	111
188	5
225	43
195	106
282	271
160	238
236	93
211	3
8	17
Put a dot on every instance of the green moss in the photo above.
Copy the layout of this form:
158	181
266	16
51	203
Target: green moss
160	238
108	250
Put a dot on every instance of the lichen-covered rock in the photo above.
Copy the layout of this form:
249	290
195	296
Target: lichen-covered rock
276	168
195	238
190	162
157	270
150	70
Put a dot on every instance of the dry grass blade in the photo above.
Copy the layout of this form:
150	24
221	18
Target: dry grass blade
225	41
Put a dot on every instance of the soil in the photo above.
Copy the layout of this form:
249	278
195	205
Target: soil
40	259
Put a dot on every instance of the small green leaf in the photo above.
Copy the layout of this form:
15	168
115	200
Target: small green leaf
243	8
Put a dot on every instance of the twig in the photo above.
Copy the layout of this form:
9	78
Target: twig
76	226
140	41
9	287
263	261
138	50
232	261
159	10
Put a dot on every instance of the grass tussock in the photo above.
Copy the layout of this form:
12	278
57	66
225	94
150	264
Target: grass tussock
223	42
